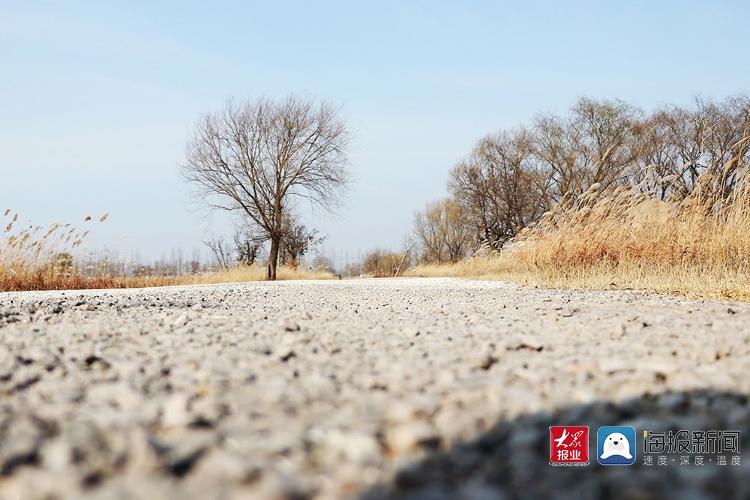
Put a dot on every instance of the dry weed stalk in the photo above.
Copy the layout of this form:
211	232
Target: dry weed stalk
31	257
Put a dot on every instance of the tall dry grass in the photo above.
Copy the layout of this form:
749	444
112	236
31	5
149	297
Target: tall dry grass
41	258
628	238
35	257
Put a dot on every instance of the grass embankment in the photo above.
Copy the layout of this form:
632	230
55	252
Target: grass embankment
627	239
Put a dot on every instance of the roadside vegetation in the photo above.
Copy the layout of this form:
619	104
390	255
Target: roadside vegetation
606	197
255	160
38	258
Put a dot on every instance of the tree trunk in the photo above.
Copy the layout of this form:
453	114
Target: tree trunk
273	258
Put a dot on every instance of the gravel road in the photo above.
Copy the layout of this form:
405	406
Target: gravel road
418	388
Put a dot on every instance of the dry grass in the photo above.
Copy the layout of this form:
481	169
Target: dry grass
255	273
78	282
41	259
694	282
37	258
627	239
44	281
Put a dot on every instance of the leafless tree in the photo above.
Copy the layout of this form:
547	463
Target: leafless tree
500	187
511	178
256	157
297	240
247	244
353	269
442	232
221	252
680	144
726	142
323	263
596	143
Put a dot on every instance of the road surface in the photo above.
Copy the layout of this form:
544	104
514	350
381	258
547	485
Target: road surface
392	388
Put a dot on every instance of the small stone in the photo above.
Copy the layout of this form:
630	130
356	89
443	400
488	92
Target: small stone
180	454
21	444
291	326
287	355
217	464
182	320
174	411
119	395
207	412
56	455
528	343
408	437
356	447
487	360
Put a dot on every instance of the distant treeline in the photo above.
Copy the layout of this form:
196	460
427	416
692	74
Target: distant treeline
512	177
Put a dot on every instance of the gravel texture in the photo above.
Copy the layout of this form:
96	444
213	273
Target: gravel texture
419	388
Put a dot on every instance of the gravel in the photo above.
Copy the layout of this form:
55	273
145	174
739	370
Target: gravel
418	388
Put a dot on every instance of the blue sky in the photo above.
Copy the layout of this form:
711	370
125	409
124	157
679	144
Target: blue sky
97	98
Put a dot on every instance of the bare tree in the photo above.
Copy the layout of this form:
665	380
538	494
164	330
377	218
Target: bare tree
681	144
255	157
323	263
221	252
442	232
511	178
597	143
247	244
500	186
297	241
353	269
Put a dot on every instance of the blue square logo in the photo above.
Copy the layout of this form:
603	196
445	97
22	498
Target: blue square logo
615	445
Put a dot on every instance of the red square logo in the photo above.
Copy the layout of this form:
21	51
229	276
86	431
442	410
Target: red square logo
568	444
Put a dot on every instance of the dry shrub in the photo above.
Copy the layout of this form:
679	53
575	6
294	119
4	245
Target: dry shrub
381	263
